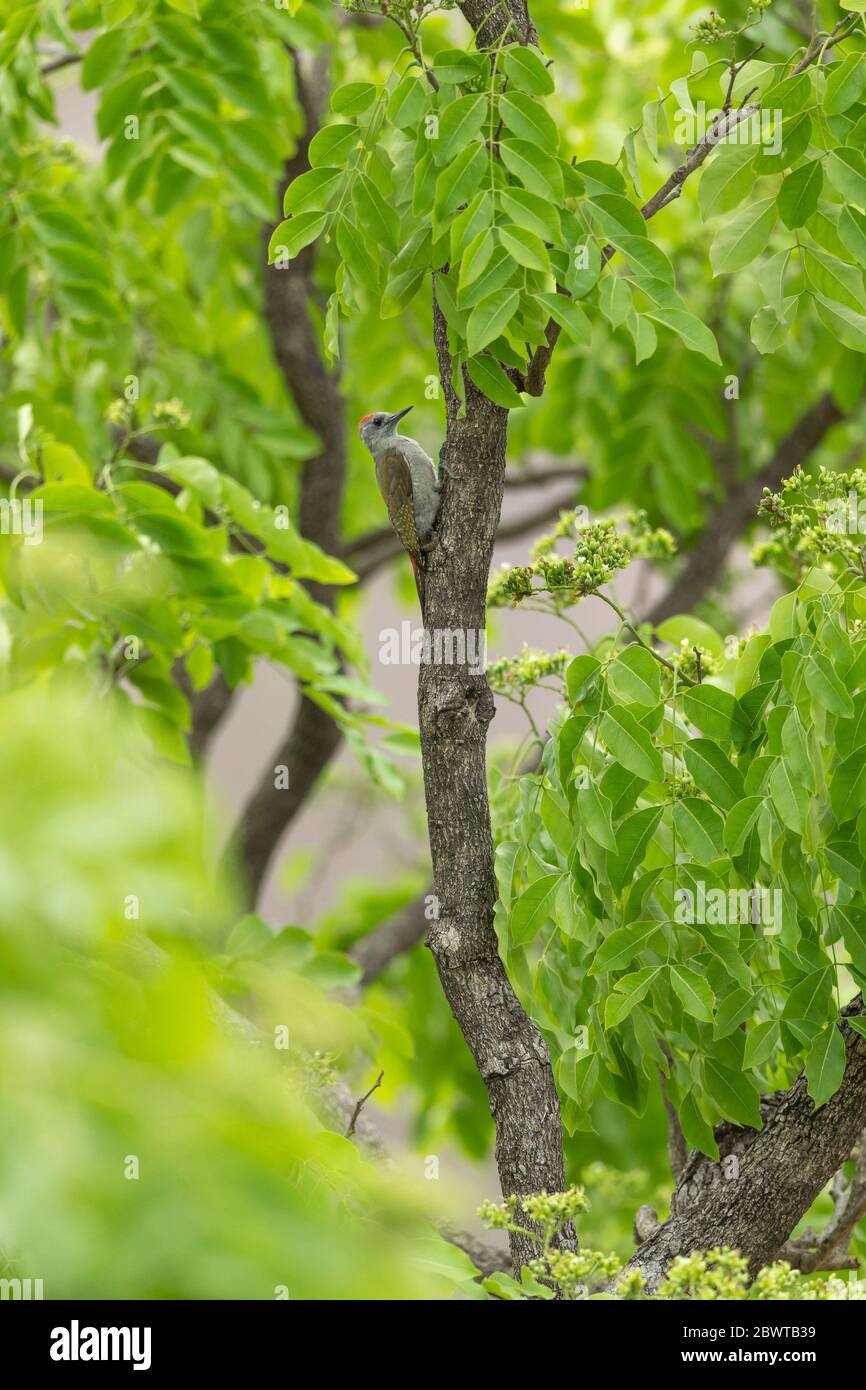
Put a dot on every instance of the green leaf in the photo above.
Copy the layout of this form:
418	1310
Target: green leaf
497	273
769	330
835	279
331	145
476	258
634	677
528	120
457	183
715	712
525	69
644	257
761	1042
714	772
825	686
459	125
788	96
852	233
377	218
533	908
846	170
525	248
104	58
699	827
790	797
727	177
846	83
807	1005
538	171
594	814
695	334
616	216
631	744
740	823
454	66
825	1065
490	318
620	948
570	317
408	102
312	190
628	993
798	196
294	234
848	787
845	324
744	237
736	1008
534	213
489	377
354	249
734	1094
353	98
693	992
578	676
696	1132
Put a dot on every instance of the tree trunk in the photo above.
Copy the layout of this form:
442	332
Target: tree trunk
455	706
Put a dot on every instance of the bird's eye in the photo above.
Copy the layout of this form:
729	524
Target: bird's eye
379	420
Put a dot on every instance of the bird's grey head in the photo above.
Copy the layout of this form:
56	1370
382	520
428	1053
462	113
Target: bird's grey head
379	428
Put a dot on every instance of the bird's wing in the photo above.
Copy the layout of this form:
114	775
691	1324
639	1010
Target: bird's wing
395	485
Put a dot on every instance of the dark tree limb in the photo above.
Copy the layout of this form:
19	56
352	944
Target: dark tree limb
312	738
766	1179
405	930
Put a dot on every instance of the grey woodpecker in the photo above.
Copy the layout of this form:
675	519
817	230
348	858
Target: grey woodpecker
408	482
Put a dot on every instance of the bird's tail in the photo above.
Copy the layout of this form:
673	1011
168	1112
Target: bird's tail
418	572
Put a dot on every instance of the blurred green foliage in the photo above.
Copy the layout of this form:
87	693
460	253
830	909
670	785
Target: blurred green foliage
146	1151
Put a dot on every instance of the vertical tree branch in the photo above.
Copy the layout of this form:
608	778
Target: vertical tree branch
455	706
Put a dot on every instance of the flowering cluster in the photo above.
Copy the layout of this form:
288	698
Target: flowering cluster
819	518
600	552
119	412
513	675
713	1274
173	413
705	1275
680	784
693	661
711	29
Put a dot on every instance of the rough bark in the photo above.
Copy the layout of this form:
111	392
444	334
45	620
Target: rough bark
455	707
780	1171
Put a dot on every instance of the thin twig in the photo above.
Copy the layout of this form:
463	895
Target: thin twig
359	1105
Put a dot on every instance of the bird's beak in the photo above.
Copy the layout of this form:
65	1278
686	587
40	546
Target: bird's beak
394	419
